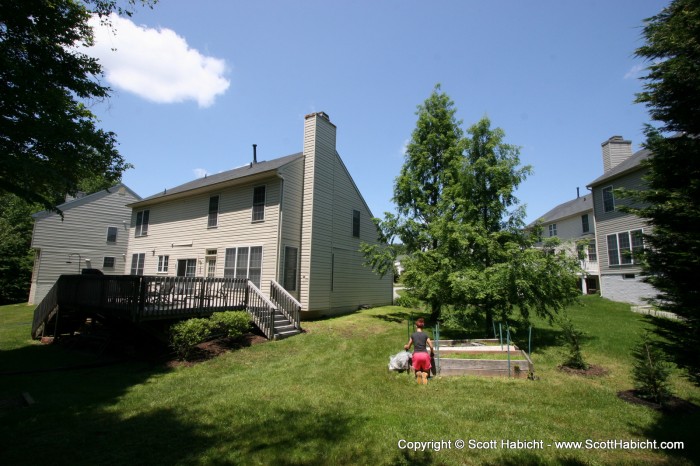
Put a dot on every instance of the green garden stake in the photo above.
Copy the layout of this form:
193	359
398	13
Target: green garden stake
500	332
529	342
494	329
508	347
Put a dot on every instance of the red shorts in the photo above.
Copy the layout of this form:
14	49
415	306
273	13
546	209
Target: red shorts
421	361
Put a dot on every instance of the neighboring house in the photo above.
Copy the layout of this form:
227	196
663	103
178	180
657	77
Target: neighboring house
573	223
93	234
619	234
298	220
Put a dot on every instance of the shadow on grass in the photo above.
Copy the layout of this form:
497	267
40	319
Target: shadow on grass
398	317
677	342
524	458
675	427
84	416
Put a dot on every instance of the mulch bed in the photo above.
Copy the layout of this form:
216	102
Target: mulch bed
674	405
592	371
213	348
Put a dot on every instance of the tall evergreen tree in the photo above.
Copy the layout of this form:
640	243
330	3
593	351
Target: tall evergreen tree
461	224
672	96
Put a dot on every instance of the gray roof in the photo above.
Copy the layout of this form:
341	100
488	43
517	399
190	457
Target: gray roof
78	201
227	176
629	165
567	209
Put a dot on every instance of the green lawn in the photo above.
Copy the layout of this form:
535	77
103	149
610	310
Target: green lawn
326	397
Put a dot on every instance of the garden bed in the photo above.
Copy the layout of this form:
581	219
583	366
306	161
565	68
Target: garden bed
482	357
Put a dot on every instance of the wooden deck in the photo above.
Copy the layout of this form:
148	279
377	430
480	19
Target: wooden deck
147	298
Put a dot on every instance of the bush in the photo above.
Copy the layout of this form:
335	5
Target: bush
572	340
651	371
405	300
185	335
230	324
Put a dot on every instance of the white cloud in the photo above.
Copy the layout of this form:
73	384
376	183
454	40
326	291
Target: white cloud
156	64
200	172
634	71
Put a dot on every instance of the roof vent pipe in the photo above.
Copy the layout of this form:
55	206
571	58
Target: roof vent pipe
577	193
255	153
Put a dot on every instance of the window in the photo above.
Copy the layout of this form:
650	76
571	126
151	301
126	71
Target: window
592	252
163	264
259	204
137	261
584	223
142	223
108	263
244	262
213	212
608	199
356	223
553	229
211	267
112	235
290	268
187	268
622	247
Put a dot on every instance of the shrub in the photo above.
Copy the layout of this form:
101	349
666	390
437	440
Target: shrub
230	324
188	333
651	371
572	340
405	300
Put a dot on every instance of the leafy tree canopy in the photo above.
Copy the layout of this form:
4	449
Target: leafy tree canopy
49	139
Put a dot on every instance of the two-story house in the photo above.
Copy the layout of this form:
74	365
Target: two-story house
92	234
619	234
572	222
297	220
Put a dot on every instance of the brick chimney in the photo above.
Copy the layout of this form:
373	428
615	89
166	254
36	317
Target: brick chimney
615	150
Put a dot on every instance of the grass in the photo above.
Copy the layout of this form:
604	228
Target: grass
326	397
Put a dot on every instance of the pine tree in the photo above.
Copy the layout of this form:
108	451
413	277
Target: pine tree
672	96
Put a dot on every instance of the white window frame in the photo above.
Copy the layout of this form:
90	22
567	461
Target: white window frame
585	223
116	235
104	262
552	229
138	267
141	225
213	215
258	208
232	270
163	263
623	256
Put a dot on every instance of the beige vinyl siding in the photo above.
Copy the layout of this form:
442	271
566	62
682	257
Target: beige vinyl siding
83	232
616	221
178	229
291	214
334	279
570	227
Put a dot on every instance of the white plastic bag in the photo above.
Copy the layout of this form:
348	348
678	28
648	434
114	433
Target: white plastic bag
400	361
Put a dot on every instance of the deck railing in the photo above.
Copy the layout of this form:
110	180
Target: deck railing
286	303
44	310
262	310
142	298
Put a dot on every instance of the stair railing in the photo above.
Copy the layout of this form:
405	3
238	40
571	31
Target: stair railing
261	309
286	303
43	311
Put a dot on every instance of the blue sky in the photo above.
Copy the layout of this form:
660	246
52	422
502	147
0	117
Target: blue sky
195	84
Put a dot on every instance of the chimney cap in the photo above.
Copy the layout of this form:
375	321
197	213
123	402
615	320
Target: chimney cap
616	139
323	115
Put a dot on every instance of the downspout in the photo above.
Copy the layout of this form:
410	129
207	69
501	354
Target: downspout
279	228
